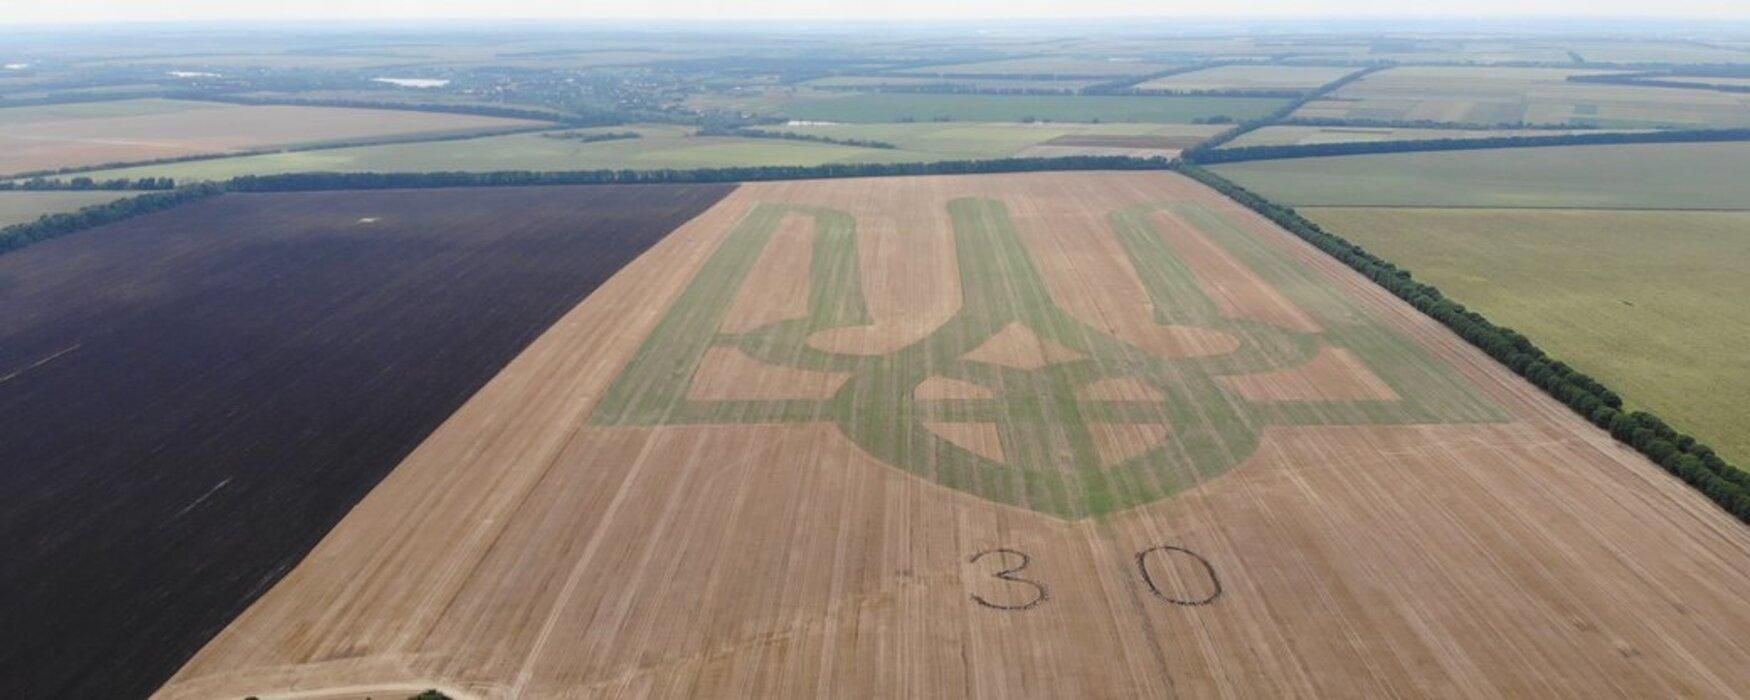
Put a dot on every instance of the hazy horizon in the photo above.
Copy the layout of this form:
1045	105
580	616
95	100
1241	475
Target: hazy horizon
808	11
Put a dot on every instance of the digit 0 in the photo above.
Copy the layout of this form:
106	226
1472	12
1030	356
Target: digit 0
1167	550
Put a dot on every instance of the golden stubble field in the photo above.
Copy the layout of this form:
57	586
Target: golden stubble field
36	139
1041	435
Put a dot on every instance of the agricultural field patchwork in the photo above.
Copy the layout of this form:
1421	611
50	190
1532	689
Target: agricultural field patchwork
669	146
1250	77
1498	95
1065	66
1650	302
901	107
1630	176
1072	434
85	134
202	393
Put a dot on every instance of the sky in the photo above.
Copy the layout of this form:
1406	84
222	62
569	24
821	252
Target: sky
45	11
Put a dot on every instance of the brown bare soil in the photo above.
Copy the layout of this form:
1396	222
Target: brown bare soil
1335	374
523	551
62	143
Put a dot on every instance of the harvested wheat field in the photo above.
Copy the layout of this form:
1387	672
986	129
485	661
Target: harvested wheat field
100	133
1042	435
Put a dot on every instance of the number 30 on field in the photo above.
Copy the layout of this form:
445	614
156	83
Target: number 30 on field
1021	593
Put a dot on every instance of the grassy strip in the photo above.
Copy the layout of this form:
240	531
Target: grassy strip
57	225
302	182
1682	455
1316	150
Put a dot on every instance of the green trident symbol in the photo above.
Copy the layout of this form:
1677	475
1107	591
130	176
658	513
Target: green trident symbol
1041	412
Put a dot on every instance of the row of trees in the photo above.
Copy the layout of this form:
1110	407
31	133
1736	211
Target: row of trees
1682	455
299	182
56	225
1232	155
36	184
1661	79
581	137
752	133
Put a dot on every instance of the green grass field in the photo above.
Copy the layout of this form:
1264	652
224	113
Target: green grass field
1637	176
663	146
1651	303
875	108
1492	95
25	207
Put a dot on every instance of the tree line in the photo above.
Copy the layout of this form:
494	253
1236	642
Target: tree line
1660	78
301	182
592	138
57	225
752	133
37	184
1244	153
1682	455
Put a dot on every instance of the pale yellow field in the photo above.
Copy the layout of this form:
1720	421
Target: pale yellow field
66	136
584	528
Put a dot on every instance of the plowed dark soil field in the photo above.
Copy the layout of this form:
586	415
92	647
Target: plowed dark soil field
192	399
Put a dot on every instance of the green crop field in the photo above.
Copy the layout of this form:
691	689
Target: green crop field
1650	302
1250	77
867	108
1493	95
25	207
1637	176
